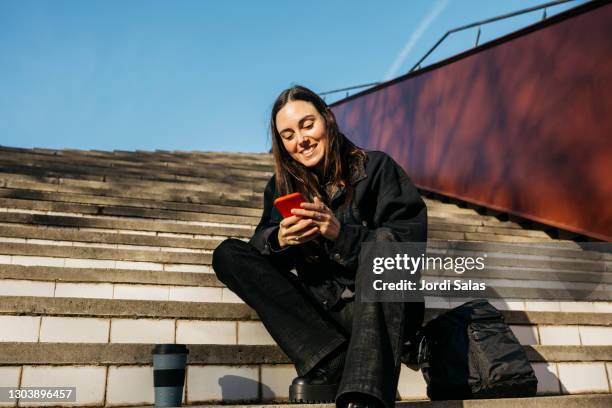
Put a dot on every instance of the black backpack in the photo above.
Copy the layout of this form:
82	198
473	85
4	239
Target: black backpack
470	352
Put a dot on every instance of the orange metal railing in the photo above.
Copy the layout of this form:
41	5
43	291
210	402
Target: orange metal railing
522	124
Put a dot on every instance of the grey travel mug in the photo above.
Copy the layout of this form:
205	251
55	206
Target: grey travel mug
169	362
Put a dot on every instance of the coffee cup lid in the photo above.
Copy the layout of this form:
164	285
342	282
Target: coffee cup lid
170	349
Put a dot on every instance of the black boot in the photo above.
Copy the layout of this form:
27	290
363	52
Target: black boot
321	383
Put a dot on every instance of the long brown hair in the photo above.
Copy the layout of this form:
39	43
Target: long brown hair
292	176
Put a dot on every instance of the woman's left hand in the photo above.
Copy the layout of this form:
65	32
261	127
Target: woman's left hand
329	226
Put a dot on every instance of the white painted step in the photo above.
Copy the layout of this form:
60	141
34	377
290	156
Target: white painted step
17	287
72	329
133	385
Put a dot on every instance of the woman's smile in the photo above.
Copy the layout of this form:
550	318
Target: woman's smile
310	150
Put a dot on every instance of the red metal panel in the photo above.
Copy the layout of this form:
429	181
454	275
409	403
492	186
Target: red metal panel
523	125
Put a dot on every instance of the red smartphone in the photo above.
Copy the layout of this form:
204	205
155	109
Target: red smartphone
288	202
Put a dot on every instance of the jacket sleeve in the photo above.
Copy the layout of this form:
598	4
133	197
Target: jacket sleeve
265	237
400	215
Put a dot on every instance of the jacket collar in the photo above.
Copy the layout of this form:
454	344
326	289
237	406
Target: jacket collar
358	171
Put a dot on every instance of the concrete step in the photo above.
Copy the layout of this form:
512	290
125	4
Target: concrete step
70	236
441	228
103	253
16	181
20	198
140	353
509	228
167	308
507	275
471	211
150	178
162	200
31	206
565	401
518	260
44	279
73	171
250	215
96	199
64	184
78	210
17	198
444	221
563	249
540	298
483	237
11	204
116	224
571	255
529	291
106	276
93	238
175	157
476	221
210	196
67	219
70	320
532	275
168	254
147	179
470	217
115	374
139	158
45	271
518	295
447	206
85	167
119	290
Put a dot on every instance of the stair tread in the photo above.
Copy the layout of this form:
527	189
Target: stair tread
138	353
116	223
23	198
58	306
561	401
99	275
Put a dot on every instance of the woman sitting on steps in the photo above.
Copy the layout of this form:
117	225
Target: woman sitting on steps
345	351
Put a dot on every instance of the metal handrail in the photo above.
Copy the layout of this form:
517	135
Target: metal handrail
454	30
487	21
349	88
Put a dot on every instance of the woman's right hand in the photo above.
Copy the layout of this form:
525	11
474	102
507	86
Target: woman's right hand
296	230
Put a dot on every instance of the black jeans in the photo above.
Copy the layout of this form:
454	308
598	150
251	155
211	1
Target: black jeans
306	332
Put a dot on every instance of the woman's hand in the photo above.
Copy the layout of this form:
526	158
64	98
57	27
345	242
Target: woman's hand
296	230
322	216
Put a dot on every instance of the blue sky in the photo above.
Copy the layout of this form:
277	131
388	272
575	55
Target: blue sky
203	75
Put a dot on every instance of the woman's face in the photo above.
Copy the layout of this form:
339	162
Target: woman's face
303	132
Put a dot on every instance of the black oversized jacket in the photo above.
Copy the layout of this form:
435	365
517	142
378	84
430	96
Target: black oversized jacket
385	204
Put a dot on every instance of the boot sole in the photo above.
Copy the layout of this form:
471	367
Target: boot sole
313	393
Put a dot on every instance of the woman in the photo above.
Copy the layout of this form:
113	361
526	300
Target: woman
344	350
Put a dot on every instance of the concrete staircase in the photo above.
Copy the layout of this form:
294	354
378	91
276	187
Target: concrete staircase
103	254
